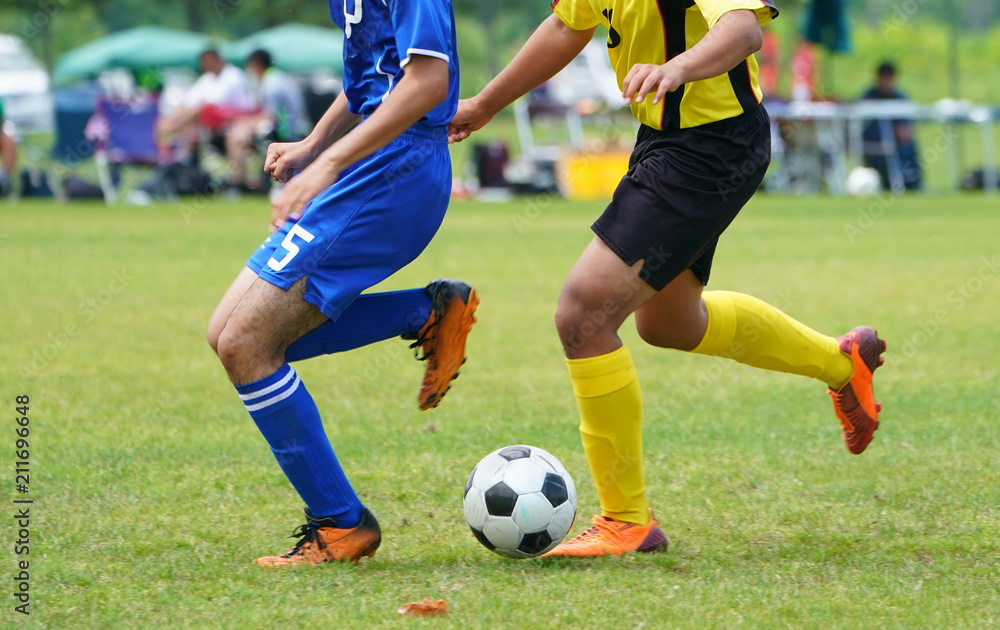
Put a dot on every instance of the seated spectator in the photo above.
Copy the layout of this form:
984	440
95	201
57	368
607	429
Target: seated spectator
216	98
8	157
904	156
280	117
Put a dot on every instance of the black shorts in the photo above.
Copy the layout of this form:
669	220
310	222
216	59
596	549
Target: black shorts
682	189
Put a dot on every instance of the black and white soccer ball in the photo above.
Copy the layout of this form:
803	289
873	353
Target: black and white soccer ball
520	502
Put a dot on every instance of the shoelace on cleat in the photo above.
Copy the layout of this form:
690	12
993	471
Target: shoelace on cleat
307	534
420	341
602	528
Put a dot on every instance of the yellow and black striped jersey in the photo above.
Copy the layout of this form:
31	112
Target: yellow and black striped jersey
655	31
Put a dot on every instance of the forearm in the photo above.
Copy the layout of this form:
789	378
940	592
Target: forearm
423	87
734	37
337	121
549	49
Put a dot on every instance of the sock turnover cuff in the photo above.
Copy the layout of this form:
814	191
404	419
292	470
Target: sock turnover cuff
602	375
721	323
270	389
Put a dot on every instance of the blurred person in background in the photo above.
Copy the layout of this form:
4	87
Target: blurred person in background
804	66
218	96
8	157
280	115
874	133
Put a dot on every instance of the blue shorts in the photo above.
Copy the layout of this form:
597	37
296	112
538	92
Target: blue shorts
379	216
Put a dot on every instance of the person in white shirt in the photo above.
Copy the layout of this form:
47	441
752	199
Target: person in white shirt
218	96
280	113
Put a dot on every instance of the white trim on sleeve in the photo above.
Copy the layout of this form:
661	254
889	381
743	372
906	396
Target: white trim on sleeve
425	52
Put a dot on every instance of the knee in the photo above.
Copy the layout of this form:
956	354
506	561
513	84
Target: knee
212	336
233	349
569	314
578	323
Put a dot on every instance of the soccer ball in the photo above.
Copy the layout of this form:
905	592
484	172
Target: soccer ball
863	182
519	501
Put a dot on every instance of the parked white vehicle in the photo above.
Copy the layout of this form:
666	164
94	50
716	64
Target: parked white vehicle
24	87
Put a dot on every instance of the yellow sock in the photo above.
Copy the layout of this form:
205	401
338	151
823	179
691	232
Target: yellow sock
752	332
607	392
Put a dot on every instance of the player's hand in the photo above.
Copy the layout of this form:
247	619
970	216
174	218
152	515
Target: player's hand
469	117
284	158
298	192
648	78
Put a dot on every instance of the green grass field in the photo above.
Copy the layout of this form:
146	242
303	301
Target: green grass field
154	491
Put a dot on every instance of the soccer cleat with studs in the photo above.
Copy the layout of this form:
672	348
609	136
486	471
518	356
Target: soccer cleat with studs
321	541
854	403
608	537
442	338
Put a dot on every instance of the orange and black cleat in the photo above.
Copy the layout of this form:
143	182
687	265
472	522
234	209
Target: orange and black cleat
609	537
442	337
321	541
855	403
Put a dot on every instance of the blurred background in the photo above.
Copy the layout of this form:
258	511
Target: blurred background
114	99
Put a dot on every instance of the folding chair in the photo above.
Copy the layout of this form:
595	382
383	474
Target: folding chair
125	131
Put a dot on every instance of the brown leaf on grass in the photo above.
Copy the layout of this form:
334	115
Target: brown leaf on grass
425	608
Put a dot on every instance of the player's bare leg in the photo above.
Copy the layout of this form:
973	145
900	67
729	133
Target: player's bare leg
600	292
676	316
241	284
263	323
251	346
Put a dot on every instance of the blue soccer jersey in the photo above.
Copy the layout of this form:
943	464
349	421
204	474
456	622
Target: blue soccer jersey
380	38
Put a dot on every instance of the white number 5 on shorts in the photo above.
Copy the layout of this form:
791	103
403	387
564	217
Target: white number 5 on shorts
290	247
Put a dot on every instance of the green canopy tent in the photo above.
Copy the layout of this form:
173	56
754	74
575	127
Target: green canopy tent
298	48
134	49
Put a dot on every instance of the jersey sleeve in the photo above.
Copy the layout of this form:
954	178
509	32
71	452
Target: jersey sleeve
421	27
579	15
715	9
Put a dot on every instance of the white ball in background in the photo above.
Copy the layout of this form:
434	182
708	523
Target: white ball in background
863	182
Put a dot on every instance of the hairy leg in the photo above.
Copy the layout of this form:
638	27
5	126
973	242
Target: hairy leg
252	347
261	326
224	309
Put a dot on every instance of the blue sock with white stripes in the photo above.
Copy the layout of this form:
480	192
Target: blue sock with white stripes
370	318
287	416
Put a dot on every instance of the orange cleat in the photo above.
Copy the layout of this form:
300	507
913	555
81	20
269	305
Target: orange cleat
855	403
442	337
320	541
608	537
